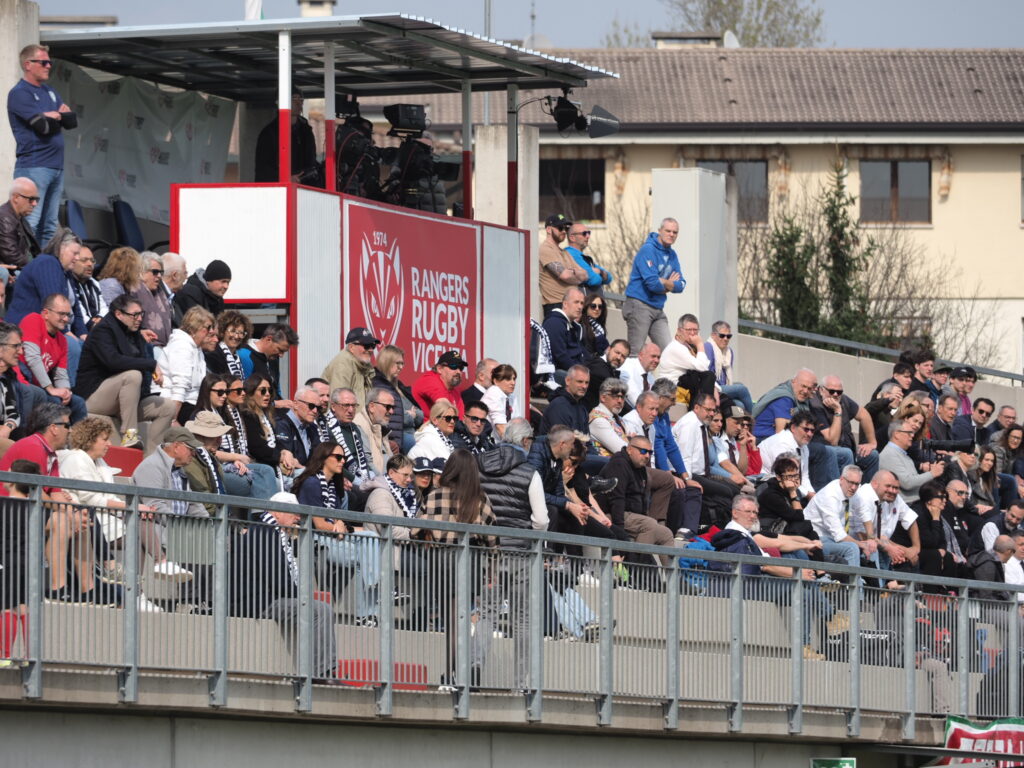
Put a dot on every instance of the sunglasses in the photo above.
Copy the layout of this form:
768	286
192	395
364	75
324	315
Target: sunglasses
476	419
157	272
338	456
450	419
643	451
834	392
725	336
31	198
388	408
584	233
596	305
219	392
315	406
235	390
42	62
263	390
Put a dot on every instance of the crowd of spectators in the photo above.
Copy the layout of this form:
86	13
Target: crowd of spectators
916	479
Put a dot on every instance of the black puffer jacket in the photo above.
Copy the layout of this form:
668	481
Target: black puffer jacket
505	477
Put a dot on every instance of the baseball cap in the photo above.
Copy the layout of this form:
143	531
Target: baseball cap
965	372
421	464
437	465
361	336
181	435
736	412
557	220
451	359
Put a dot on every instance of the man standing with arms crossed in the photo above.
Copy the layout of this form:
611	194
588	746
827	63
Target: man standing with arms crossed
655	274
38	119
558	270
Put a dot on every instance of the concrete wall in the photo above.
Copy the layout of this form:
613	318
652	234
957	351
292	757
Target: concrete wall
40	739
19	26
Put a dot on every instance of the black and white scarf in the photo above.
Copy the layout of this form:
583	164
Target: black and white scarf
237	441
328	492
286	546
207	458
545	360
268	430
404	497
360	466
599	332
326	426
234	363
444	438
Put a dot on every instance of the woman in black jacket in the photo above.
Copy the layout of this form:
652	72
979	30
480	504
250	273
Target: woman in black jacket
782	505
940	551
390	361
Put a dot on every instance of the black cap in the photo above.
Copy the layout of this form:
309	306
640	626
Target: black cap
361	336
558	220
452	359
965	372
217	270
422	464
944	369
437	465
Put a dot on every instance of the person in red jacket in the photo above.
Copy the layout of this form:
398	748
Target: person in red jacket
442	382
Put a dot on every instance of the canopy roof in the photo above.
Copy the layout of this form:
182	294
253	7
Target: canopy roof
377	55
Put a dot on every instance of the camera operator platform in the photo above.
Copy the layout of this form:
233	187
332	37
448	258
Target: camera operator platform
305	169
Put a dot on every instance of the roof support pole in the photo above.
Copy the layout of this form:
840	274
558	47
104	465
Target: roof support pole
467	149
284	106
329	112
513	154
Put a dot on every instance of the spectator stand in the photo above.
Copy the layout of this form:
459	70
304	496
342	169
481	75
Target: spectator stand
459	283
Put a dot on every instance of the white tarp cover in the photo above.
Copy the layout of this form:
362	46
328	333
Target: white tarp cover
134	139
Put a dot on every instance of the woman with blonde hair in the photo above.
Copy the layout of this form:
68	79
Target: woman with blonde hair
122	273
183	362
407	415
433	439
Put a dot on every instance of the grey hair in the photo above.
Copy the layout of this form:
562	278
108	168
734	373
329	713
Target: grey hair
335	393
610	385
569	292
895	426
303	390
664	387
46	414
559	434
666	220
852	469
150	256
63	236
373	396
578	370
6	329
741	497
718	325
1003	544
517	432
889	386
173	261
643	397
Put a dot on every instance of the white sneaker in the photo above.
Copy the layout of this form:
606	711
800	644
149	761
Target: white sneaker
148	606
172	571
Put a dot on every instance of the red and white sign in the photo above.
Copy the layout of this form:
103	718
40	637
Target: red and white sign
414	281
1000	737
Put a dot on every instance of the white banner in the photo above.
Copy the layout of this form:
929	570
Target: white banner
134	139
1000	737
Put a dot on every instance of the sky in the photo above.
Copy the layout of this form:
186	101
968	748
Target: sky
847	23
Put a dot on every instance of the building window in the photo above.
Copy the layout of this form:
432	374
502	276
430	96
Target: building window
897	190
752	184
574	188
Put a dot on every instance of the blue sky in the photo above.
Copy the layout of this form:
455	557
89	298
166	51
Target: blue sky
848	23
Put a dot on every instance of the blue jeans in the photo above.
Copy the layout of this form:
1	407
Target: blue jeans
843	552
573	613
260	482
868	465
37	395
42	219
360	551
827	462
740	393
75	345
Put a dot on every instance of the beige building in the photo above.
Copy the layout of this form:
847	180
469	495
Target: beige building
932	140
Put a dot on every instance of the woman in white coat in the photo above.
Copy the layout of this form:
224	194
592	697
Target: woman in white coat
90	439
433	439
183	362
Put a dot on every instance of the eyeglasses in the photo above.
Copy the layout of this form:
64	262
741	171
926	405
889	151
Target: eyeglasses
31	198
905	432
476	419
346	405
42	62
65	424
450	419
584	233
790	476
19	345
961	493
806	429
617	395
134	315
725	336
157	272
219	392
338	456
58	314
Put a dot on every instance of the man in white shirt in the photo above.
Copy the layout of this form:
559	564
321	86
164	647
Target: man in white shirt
640	421
795	440
701	459
831	513
1013	569
685	352
883	516
637	371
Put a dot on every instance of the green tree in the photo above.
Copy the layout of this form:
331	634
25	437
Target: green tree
622	34
790	271
757	23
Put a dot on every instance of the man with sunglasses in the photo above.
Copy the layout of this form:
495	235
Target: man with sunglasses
38	119
558	270
44	355
352	367
474	432
296	430
262	356
972	426
597	277
833	412
18	245
91	306
723	363
441	383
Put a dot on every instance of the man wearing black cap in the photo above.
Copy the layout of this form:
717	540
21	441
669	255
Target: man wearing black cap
441	383
352	368
558	270
962	382
206	287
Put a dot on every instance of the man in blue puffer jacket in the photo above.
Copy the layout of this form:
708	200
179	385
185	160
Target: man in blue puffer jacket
655	274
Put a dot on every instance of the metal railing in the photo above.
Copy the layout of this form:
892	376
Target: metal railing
869	349
145	594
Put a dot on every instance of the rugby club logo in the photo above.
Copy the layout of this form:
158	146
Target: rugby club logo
380	289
